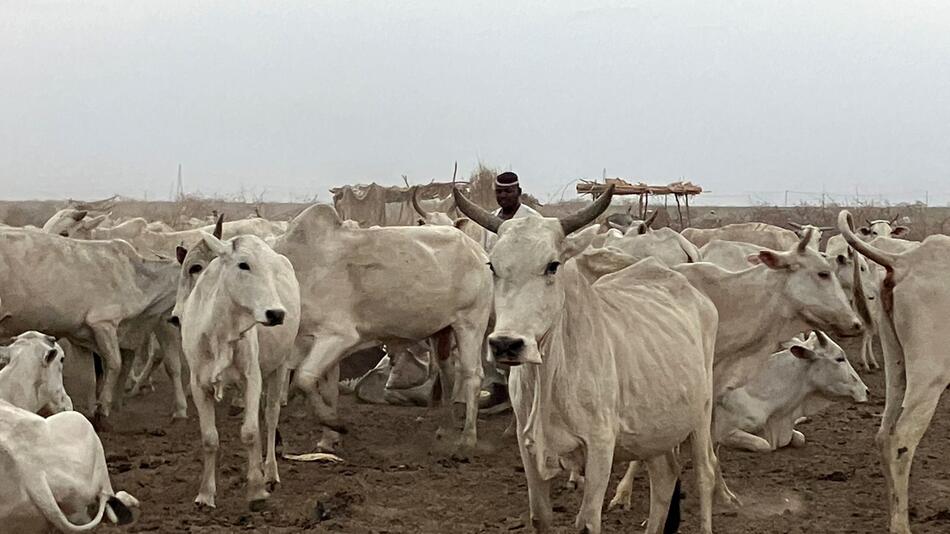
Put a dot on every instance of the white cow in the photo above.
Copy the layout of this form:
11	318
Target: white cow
31	374
440	218
101	295
816	233
762	234
799	381
579	386
845	261
53	470
874	229
915	300
665	244
70	222
626	222
245	286
362	287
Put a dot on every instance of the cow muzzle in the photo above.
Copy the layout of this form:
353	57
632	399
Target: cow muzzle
274	317
507	350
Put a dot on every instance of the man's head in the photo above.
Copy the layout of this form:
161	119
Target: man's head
507	191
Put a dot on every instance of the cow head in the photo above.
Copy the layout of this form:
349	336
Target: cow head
844	270
36	360
816	232
192	262
811	288
436	218
829	371
247	269
882	228
626	222
527	262
73	223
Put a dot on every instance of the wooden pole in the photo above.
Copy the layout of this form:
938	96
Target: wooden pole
679	211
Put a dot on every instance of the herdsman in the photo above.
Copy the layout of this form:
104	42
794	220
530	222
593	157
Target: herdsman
508	197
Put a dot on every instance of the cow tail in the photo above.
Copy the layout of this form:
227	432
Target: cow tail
42	496
672	524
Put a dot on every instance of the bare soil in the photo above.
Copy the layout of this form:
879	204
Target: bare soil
399	478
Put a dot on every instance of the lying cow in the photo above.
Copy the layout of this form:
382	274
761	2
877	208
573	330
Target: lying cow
761	234
31	374
246	285
797	382
53	471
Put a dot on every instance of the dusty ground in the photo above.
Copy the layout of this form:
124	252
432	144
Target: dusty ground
398	478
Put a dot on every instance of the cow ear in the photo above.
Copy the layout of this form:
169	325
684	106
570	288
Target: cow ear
865	231
50	356
900	231
802	353
218	247
575	243
772	259
841	259
79	215
180	253
754	259
642	229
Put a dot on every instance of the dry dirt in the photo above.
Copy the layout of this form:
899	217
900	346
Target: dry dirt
399	478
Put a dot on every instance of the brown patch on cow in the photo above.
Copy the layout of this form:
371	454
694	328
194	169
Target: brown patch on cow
887	292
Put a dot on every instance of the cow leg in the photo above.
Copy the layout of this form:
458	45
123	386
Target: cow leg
318	376
740	439
706	467
624	493
146	373
869	348
171	361
204	405
664	471
723	494
596	478
441	345
108	345
899	443
539	493
470	342
251	434
272	401
125	370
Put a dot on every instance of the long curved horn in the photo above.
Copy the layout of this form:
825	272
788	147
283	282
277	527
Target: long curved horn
473	211
795	225
649	222
803	244
846	226
894	220
581	218
826	228
218	226
415	201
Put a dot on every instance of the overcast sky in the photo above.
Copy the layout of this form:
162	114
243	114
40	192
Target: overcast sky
747	99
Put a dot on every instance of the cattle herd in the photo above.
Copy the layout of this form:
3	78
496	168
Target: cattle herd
621	341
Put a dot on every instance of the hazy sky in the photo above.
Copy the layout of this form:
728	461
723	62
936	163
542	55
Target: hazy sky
290	98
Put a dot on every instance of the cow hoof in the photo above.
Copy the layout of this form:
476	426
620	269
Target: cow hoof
204	505
271	486
179	417
258	505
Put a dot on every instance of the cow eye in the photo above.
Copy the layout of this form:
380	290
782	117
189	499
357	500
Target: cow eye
824	275
839	360
64	233
244	266
195	269
492	267
552	267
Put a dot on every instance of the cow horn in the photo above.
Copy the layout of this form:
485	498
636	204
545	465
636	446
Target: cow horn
868	221
581	218
649	222
846	226
795	225
415	202
473	211
822	338
218	227
894	220
826	228
806	237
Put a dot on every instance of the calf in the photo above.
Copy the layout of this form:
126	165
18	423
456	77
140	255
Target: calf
53	470
246	285
31	374
797	382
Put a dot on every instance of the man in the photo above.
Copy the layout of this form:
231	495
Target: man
508	197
